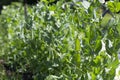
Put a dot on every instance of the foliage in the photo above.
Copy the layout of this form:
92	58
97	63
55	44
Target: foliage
62	41
114	6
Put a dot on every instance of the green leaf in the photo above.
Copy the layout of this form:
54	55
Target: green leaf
98	46
113	6
113	64
93	76
77	58
77	44
118	28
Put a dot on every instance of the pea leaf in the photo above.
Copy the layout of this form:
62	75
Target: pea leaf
86	4
77	44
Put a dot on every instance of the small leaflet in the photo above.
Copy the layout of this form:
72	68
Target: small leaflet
86	4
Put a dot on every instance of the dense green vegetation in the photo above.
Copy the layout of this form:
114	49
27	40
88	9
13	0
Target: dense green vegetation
62	41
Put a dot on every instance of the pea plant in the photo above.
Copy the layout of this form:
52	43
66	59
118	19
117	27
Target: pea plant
62	41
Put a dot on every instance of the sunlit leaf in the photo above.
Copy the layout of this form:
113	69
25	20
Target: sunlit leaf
86	4
77	44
